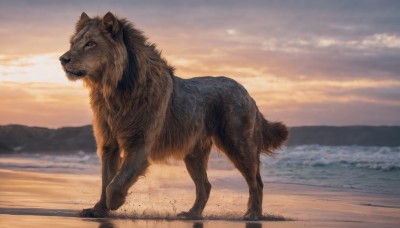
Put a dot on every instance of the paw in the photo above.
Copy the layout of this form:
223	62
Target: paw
115	198
252	216
94	213
189	215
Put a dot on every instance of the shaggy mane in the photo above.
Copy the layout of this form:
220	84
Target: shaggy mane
143	59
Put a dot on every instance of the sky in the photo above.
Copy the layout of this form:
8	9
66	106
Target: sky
305	62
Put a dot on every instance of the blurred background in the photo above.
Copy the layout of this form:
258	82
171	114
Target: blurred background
305	62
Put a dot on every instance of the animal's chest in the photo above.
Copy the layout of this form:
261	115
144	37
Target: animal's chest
115	114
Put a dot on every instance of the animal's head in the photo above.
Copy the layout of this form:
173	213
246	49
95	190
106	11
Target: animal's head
97	50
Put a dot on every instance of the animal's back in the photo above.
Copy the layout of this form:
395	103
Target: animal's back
202	108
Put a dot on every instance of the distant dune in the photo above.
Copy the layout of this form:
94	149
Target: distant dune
39	139
14	138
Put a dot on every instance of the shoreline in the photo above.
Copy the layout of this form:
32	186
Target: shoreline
166	190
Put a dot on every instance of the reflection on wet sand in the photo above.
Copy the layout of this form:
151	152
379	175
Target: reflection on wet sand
37	199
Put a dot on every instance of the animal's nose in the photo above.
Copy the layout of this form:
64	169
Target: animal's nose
64	59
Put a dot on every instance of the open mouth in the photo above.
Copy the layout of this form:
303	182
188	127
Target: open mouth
78	74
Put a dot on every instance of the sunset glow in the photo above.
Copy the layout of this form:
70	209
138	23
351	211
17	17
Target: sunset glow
331	72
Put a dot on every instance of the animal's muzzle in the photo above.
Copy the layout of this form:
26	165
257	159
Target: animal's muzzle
64	59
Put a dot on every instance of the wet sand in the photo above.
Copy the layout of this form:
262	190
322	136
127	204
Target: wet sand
37	199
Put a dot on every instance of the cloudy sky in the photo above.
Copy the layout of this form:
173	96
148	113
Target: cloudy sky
305	62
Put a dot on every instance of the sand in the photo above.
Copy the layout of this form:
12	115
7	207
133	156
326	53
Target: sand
38	199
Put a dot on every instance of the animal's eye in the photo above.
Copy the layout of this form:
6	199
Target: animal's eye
90	44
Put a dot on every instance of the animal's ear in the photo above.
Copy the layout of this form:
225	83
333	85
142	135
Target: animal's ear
82	21
84	17
111	24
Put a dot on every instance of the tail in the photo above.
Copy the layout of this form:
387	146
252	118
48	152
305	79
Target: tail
274	135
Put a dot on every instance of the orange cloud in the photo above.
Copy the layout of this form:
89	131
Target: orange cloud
40	95
43	104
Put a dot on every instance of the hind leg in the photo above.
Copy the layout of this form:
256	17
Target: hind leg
196	164
248	165
254	211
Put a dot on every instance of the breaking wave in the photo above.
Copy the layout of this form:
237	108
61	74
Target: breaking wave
368	169
377	158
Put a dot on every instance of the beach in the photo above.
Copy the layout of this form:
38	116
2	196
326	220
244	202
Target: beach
43	195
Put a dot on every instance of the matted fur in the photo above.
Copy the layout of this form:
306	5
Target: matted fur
143	112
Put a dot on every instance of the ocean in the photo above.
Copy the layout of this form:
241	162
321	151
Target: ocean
347	168
358	168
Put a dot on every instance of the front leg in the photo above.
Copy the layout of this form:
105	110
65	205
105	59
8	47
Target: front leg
134	165
110	160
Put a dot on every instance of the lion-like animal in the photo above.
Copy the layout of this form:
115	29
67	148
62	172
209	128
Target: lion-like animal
143	112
